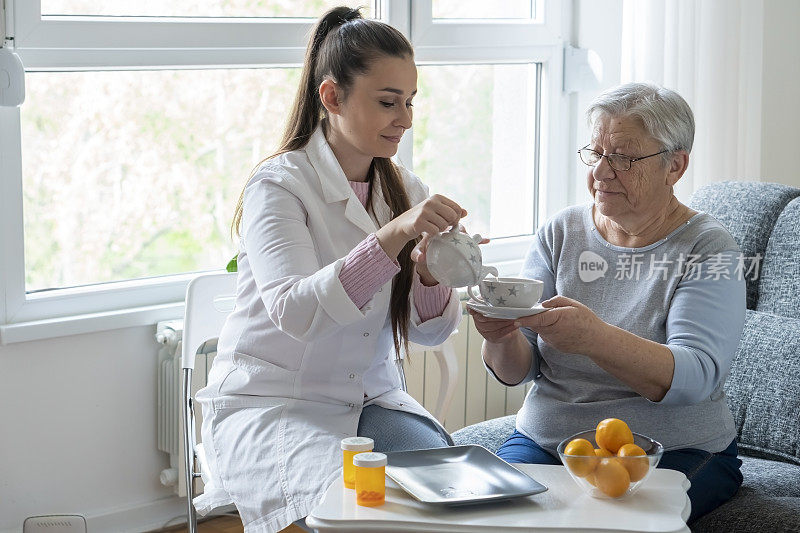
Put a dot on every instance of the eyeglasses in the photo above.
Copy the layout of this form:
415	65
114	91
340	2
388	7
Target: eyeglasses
617	161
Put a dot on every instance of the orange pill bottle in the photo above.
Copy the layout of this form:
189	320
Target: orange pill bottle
350	447
370	478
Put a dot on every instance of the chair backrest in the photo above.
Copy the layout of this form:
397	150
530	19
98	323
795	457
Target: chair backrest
209	301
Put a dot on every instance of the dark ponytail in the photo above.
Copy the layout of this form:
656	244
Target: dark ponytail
307	109
342	46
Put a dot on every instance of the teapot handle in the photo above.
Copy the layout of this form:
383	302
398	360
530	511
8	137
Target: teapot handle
455	230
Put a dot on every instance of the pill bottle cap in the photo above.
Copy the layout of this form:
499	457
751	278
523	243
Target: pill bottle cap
370	459
358	444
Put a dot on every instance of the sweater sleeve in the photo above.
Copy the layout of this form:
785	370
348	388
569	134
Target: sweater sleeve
704	326
430	301
366	269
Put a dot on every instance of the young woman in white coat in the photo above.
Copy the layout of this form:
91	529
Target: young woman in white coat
332	282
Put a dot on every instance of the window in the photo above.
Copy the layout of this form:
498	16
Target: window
134	174
470	142
143	119
480	9
193	8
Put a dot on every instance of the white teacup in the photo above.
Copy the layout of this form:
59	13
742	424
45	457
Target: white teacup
455	259
508	292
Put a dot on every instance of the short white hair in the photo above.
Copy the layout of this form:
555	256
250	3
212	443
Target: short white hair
666	116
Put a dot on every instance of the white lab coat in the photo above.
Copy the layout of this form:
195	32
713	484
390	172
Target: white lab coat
297	360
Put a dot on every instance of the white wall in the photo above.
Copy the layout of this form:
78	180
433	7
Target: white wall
597	26
780	126
78	431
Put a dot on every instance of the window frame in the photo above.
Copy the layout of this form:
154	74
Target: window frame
73	43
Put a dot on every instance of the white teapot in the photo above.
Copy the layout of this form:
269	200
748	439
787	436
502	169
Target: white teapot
455	259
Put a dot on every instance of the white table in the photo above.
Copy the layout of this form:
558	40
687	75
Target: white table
660	505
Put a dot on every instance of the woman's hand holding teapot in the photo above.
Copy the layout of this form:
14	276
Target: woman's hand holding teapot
429	217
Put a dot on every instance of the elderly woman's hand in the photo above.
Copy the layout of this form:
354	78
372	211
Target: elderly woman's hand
492	329
568	325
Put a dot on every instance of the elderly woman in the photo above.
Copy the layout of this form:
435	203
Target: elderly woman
646	304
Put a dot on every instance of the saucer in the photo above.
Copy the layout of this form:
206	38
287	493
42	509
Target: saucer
510	313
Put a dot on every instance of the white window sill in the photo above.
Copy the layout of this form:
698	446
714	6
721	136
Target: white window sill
89	323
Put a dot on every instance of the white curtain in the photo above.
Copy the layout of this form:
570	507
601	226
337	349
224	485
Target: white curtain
710	52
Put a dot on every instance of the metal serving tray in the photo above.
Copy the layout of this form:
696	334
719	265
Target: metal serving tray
458	475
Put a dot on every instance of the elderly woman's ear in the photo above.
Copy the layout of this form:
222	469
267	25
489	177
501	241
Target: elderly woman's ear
678	164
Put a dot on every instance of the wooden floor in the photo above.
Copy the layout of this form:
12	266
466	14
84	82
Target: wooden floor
224	524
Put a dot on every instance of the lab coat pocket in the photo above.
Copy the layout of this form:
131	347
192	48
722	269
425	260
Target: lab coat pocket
256	376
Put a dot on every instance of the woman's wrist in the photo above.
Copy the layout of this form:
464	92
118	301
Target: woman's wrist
509	357
391	240
509	343
503	350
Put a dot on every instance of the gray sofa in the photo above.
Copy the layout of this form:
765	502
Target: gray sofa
763	388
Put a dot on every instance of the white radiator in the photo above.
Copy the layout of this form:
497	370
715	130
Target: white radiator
170	423
477	397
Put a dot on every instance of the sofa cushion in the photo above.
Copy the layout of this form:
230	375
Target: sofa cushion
779	287
749	211
490	434
763	388
752	512
769	500
772	478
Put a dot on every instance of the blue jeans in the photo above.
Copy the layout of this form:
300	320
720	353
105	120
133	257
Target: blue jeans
715	477
395	431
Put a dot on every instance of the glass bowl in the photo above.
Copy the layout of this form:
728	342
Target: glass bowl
611	477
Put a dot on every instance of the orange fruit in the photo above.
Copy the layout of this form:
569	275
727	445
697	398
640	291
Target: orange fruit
611	477
637	468
613	433
584	463
600	453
